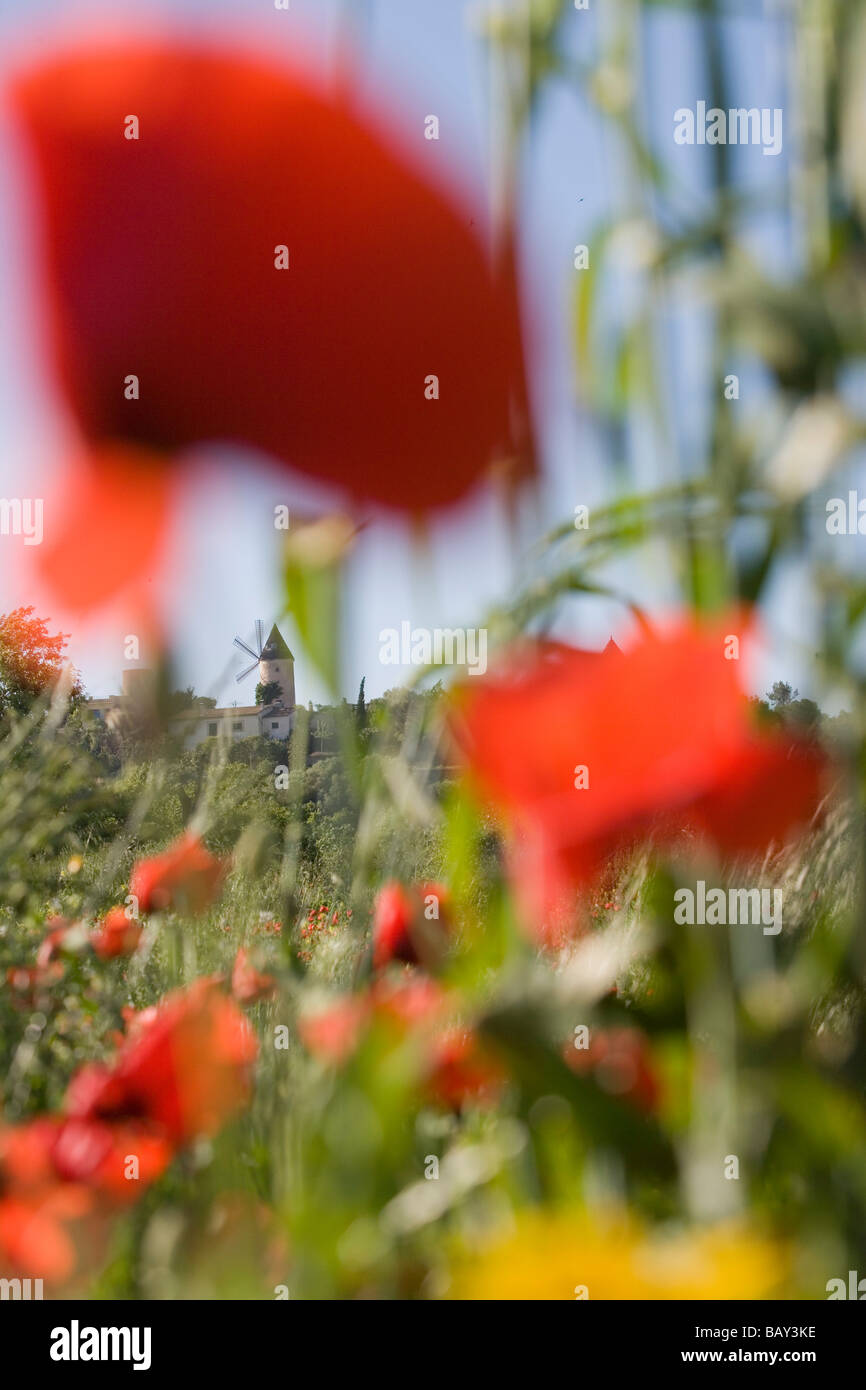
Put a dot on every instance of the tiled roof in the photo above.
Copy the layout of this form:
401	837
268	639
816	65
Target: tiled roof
233	712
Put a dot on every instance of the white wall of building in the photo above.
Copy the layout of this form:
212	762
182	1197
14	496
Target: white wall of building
230	724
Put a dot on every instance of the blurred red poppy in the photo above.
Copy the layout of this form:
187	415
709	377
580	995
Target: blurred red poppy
137	1018
620	1061
52	944
34	1235
245	258
25	1153
463	1070
411	1000
186	1069
249	985
185	876
455	1067
586	753
35	1208
333	1034
114	1158
113	502
118	1158
410	924
30	985
115	935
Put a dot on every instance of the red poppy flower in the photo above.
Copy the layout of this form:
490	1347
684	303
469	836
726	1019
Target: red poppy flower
25	1154
185	876
248	984
187	1069
620	1061
163	262
114	503
462	1070
410	924
585	753
117	1158
455	1067
137	1018
95	1153
30	985
411	1001
53	942
116	935
34	1231
35	1208
333	1034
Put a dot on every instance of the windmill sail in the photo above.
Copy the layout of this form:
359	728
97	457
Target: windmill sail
256	653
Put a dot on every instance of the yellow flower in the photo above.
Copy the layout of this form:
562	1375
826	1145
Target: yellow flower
571	1255
74	865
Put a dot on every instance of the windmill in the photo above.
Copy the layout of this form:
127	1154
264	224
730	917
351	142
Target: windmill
256	655
274	660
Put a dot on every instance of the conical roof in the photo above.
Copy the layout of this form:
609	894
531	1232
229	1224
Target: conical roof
276	648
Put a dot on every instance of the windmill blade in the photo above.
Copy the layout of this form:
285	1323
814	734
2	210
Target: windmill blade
243	675
260	635
244	648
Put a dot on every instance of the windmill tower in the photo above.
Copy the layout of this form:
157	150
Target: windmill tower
274	660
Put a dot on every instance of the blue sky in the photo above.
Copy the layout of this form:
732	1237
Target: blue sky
427	57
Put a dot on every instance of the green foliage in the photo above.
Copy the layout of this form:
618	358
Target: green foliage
361	707
179	701
781	694
267	692
758	1042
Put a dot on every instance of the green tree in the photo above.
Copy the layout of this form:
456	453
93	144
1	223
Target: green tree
267	692
178	701
361	707
781	694
803	714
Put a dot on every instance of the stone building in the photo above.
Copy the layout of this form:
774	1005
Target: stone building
275	720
